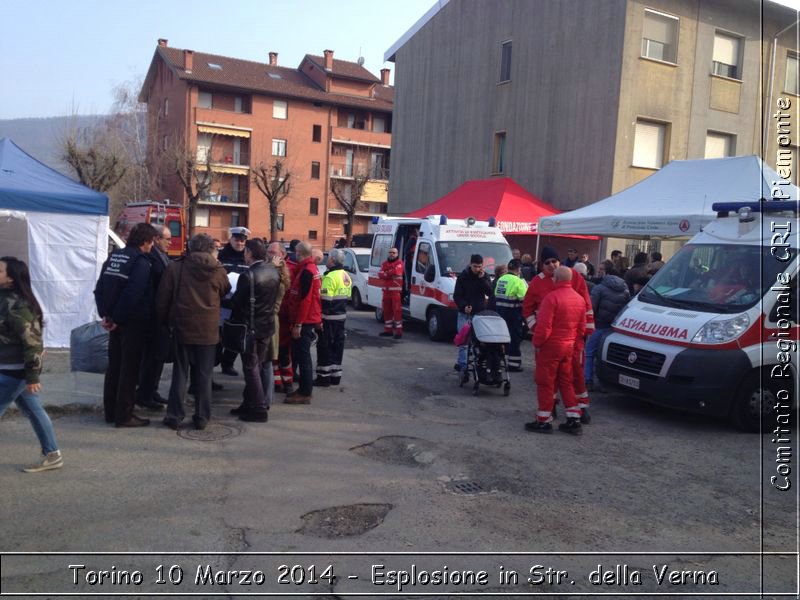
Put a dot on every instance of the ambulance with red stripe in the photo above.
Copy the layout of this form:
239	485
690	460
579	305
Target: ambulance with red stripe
434	251
715	331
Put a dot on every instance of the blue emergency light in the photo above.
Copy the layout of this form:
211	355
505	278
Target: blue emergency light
492	222
375	220
764	206
443	220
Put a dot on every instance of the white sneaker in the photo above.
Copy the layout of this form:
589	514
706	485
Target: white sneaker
52	460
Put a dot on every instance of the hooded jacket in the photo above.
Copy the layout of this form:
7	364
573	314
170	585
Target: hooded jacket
197	298
608	298
472	290
21	344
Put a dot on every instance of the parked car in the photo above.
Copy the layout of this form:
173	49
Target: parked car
356	263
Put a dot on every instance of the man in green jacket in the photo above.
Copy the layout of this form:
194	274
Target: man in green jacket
509	292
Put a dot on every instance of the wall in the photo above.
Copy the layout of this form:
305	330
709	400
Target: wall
559	109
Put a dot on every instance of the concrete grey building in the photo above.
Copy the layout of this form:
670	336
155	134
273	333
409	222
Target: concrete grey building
578	99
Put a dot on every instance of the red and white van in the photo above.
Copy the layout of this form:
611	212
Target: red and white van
157	214
715	330
434	250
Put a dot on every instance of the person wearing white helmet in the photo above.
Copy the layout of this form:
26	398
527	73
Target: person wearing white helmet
232	254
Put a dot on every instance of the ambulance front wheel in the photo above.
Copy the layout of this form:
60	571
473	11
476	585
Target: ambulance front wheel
753	408
436	324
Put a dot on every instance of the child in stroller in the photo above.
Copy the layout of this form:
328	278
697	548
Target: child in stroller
486	353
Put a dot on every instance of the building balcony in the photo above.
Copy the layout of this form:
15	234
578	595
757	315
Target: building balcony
224	119
344	170
226	199
224	161
360	137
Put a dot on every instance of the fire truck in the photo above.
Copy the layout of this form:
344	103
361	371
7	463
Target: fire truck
157	214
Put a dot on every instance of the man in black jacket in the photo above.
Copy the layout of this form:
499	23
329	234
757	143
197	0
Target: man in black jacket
256	310
147	395
125	300
232	258
473	289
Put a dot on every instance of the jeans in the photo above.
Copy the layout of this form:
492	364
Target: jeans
301	353
462	350
13	390
253	366
592	346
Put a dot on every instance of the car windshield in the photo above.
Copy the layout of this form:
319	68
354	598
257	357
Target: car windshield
454	256
715	278
363	262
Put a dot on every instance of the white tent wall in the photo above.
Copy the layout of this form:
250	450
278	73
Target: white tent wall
65	255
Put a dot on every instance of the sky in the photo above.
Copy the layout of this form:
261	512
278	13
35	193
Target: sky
60	58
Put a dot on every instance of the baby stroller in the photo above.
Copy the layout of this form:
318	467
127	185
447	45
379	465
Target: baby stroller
486	353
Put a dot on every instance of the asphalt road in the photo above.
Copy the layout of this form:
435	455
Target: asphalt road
397	459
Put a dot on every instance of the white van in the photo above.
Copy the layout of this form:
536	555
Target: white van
441	252
715	330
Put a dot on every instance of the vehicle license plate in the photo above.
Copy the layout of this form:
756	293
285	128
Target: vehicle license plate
631	382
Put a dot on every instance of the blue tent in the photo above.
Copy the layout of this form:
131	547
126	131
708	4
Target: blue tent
26	184
60	228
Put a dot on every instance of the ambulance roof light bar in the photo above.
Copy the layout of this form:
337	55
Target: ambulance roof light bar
723	209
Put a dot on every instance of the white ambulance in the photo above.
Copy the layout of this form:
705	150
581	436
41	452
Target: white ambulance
715	331
434	251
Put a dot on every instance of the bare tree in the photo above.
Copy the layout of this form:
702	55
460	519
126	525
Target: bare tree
348	193
195	172
110	155
273	181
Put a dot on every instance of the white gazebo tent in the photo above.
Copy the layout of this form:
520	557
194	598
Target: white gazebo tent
675	201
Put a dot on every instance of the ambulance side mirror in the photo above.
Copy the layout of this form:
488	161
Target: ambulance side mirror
430	273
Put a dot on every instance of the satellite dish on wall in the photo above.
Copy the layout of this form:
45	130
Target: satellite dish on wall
360	61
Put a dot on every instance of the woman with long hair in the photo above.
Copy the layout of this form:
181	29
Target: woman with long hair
21	348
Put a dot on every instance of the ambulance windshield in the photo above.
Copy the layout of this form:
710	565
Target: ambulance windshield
715	278
454	256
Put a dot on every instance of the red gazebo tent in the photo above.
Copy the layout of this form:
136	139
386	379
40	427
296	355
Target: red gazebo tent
516	210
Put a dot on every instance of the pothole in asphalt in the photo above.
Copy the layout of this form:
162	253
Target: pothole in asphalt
399	450
343	521
213	432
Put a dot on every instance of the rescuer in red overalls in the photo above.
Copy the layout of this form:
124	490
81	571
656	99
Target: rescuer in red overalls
539	287
561	320
391	276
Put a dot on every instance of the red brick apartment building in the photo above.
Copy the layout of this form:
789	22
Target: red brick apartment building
327	119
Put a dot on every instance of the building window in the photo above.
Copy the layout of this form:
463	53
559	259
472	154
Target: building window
313	206
166	107
719	145
200	217
726	56
279	222
648	144
203	147
238	105
205	100
379	125
791	85
312	234
314	170
499	156
280	109
505	61
235	218
660	36
278	147
316	133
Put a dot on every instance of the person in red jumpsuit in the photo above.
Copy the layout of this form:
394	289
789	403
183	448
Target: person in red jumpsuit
539	287
561	320
391	276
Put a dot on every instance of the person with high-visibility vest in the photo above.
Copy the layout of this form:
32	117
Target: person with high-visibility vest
509	292
335	293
